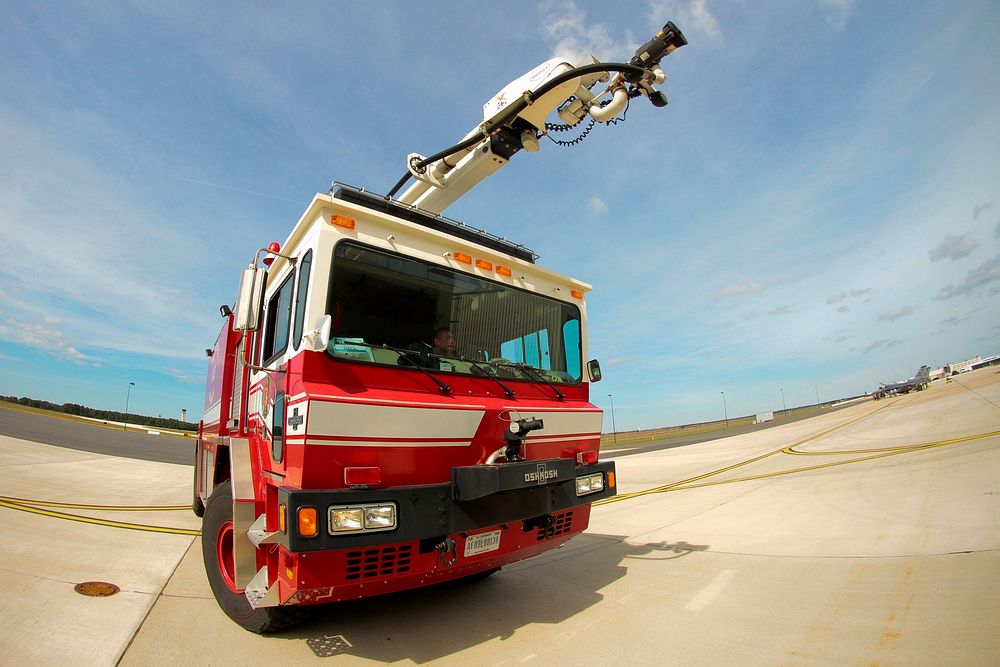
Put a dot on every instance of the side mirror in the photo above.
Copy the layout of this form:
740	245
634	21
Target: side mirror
594	370
317	339
249	299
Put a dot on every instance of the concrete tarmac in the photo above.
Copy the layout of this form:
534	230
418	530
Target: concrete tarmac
867	536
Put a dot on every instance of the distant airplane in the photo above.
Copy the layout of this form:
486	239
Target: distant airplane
918	382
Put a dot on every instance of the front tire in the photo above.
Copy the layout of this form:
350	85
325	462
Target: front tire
217	539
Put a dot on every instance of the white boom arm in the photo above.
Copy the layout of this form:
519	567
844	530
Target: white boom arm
514	118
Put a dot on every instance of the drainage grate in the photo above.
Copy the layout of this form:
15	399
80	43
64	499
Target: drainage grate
378	562
561	523
96	589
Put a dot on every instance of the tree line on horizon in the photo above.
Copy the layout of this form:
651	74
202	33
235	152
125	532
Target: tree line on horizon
106	415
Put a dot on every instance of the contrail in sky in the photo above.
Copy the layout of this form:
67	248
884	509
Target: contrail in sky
229	187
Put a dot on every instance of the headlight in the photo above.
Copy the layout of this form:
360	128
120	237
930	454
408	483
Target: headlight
380	517
357	518
346	519
589	484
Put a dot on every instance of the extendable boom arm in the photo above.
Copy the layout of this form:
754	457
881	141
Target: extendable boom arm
514	118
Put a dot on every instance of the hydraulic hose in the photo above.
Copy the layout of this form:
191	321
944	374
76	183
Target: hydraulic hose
517	107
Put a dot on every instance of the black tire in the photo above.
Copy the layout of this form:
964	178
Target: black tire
217	523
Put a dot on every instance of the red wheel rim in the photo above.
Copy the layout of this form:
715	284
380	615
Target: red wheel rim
224	556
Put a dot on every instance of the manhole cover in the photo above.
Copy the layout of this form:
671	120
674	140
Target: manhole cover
97	589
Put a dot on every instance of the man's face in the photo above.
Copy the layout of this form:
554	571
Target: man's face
444	341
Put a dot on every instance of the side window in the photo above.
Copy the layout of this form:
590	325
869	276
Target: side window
300	298
279	310
571	338
278	428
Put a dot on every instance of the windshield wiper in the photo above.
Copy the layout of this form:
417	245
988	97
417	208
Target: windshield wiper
532	371
414	357
487	371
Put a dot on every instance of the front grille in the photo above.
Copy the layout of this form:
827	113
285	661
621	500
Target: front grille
561	524
378	562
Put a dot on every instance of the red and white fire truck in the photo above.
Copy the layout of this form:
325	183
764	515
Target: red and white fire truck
397	399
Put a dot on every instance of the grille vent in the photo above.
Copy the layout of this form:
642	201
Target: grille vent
378	562
562	523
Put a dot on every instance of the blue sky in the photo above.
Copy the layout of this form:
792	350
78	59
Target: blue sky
816	211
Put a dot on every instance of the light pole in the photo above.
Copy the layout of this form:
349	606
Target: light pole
783	408
725	412
817	394
128	394
614	429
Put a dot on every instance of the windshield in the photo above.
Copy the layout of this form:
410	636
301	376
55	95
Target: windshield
390	309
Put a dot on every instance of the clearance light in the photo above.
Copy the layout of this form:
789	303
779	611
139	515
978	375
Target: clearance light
308	522
504	271
362	476
282	519
462	258
362	518
611	480
589	484
342	221
576	294
586	458
484	265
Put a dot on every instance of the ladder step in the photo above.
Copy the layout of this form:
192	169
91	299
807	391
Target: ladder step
259	594
259	535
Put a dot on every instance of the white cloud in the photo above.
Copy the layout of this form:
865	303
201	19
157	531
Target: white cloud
741	289
850	294
597	205
885	342
979	208
983	274
839	12
565	27
896	314
953	247
44	338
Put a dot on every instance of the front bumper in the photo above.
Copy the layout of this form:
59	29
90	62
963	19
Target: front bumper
477	497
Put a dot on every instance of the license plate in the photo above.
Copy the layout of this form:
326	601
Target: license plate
482	543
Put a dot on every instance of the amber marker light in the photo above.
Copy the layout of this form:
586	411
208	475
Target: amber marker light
611	480
308	523
484	265
504	271
342	221
576	294
462	258
282	519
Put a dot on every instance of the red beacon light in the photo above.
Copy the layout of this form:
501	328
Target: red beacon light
273	247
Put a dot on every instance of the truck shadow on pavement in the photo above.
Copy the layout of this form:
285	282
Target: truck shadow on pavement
431	623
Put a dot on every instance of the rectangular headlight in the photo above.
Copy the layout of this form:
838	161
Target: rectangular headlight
346	519
380	517
362	518
589	484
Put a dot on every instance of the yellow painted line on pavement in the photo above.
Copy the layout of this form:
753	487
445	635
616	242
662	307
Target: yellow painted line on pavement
697	482
98	522
688	483
900	448
103	508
